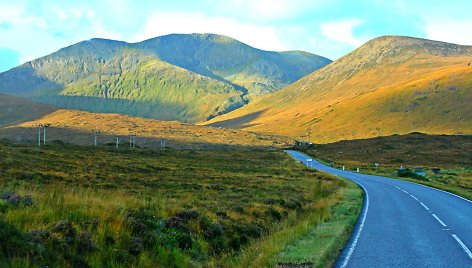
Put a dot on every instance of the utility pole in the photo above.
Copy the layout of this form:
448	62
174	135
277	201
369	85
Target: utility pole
96	132
163	144
117	142
45	127
132	140
39	134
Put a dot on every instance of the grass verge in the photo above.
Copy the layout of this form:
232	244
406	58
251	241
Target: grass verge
312	241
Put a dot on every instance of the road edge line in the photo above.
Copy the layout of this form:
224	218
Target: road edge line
359	228
463	198
458	196
359	225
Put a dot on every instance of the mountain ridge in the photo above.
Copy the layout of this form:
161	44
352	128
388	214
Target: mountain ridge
378	89
156	78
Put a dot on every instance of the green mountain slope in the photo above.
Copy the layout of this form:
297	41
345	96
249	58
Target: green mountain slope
227	59
390	85
178	77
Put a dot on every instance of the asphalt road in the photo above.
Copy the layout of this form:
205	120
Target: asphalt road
403	224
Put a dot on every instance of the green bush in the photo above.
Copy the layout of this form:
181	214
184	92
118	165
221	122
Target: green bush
14	243
4	205
410	174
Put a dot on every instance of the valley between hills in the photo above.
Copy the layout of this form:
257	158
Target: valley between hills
222	192
390	85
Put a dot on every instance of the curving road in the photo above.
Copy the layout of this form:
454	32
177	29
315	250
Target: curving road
403	224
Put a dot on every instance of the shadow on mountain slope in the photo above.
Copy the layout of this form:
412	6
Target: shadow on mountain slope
239	122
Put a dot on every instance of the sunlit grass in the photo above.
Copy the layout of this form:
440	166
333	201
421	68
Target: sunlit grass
103	207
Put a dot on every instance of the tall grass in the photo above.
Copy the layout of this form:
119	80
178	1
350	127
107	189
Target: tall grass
142	208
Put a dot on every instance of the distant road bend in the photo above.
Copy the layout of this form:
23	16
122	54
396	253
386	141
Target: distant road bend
403	224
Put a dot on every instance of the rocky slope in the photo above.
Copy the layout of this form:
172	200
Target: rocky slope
390	85
177	77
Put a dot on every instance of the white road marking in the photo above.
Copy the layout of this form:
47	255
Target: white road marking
439	220
460	197
414	197
464	247
427	208
405	191
361	226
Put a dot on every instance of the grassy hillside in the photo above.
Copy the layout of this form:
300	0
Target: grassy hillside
390	85
70	206
450	156
189	78
226	59
21	117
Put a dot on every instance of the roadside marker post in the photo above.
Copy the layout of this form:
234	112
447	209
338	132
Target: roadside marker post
309	160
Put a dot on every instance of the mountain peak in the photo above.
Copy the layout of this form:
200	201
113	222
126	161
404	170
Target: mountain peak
401	44
200	37
105	40
188	77
390	85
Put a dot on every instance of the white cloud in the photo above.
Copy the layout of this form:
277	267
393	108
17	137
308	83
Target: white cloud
267	9
459	32
10	12
35	35
342	31
26	58
160	23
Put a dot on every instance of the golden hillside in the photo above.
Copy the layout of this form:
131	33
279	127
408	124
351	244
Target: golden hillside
76	127
390	85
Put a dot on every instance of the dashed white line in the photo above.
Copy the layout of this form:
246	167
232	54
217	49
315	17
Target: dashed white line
439	220
460	197
361	226
464	247
427	208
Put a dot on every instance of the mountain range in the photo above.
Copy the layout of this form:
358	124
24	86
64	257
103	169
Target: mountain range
189	78
390	85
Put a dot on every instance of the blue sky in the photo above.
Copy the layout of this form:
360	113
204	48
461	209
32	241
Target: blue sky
331	28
